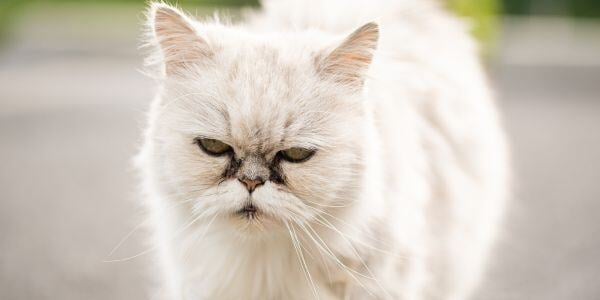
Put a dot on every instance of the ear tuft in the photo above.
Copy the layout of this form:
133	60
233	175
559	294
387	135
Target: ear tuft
348	62
174	33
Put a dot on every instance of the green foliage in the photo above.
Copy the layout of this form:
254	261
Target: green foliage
221	2
8	12
573	8
483	15
180	2
584	8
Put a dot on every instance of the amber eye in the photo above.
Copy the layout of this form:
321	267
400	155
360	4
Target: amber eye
212	146
297	155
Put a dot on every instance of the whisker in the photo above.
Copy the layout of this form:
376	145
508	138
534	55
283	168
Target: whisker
206	229
355	239
155	246
360	259
300	256
137	227
346	224
323	247
115	248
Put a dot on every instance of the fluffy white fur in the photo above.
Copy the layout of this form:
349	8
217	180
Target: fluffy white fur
403	196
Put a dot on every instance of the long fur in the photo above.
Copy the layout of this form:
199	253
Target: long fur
404	194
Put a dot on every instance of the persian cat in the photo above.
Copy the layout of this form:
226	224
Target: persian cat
321	150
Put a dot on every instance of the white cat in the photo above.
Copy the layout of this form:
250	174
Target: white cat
323	150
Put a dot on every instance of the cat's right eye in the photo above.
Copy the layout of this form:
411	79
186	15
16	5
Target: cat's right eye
213	147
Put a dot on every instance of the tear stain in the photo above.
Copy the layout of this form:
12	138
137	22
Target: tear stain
253	166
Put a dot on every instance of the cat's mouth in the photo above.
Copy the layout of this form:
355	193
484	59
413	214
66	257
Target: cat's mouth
249	211
252	220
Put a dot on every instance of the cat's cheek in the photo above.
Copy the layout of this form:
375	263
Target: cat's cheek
189	171
306	180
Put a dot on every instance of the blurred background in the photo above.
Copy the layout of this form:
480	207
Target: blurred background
72	105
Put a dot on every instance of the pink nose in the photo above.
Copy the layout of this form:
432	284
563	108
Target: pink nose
251	184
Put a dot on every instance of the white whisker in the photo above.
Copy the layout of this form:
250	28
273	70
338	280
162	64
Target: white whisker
125	238
177	233
304	266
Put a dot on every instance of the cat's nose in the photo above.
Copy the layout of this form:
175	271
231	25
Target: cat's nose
252	183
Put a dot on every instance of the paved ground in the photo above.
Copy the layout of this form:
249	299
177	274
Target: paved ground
71	106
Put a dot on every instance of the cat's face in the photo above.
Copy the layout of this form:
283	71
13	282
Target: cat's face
257	132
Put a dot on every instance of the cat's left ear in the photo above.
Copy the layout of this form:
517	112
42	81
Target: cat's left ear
179	42
348	63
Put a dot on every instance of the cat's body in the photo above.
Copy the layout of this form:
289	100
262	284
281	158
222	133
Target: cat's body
403	194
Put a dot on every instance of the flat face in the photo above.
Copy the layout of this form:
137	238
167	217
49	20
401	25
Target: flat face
258	127
262	118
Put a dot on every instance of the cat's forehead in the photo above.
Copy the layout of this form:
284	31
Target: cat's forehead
262	97
262	65
268	95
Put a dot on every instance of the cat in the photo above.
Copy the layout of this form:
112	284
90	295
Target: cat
321	150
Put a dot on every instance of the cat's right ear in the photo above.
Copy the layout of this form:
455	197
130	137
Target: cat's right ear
179	43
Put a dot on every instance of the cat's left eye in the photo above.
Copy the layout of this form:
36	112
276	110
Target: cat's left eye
296	154
212	146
